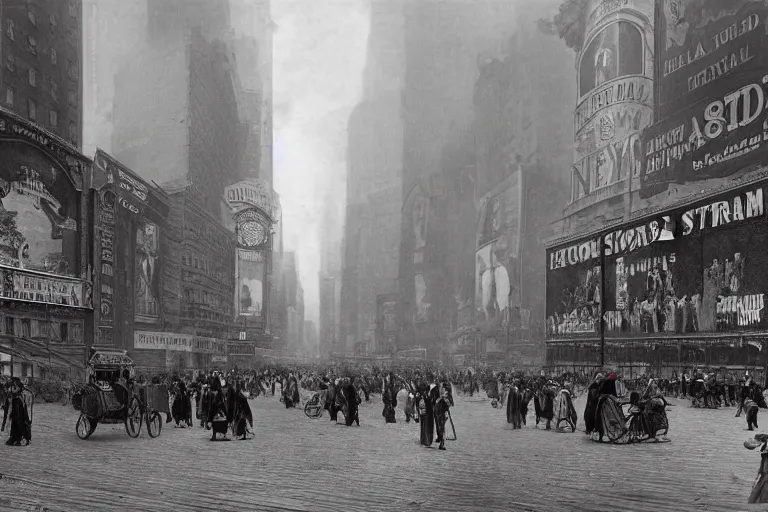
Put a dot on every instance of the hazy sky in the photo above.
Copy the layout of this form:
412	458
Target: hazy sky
319	55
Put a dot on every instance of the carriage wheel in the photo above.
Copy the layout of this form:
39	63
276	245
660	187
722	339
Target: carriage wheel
154	424
613	427
85	427
133	419
313	411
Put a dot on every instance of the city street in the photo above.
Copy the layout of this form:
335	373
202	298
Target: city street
296	463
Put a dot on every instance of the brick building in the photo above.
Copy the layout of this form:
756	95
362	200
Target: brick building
41	75
45	204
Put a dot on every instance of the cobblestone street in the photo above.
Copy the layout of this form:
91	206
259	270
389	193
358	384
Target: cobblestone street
296	463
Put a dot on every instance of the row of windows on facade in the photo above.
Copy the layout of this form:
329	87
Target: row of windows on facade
221	276
208	234
56	331
32	114
53	23
32	47
213	300
48	84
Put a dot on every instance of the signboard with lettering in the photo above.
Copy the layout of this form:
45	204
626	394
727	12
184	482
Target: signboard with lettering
105	267
698	270
708	48
253	194
132	192
47	289
145	340
710	139
615	91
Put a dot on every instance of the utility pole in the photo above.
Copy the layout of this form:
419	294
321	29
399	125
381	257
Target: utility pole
601	324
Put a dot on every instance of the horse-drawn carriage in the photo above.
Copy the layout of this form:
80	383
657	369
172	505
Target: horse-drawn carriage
111	397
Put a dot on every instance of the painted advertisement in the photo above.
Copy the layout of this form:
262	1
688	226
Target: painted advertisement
147	289
702	41
249	285
710	139
38	211
698	270
500	214
45	289
497	256
615	90
573	297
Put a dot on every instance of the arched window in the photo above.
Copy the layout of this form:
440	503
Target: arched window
615	51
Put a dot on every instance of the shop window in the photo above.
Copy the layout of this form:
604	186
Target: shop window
9	325
10	95
27	370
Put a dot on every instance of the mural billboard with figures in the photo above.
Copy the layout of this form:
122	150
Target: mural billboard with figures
498	239
148	273
38	208
698	270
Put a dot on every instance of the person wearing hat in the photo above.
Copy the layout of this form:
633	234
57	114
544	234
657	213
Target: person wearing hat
593	395
21	423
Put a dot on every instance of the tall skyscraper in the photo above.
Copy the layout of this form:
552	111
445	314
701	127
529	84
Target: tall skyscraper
41	73
111	30
176	123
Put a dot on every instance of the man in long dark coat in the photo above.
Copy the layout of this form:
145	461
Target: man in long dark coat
353	400
443	400
426	413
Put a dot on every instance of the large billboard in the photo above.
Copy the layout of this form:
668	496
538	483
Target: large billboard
711	94
498	253
698	270
147	289
44	288
38	210
706	48
249	286
710	139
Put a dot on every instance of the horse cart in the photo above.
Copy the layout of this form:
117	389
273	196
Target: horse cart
111	397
